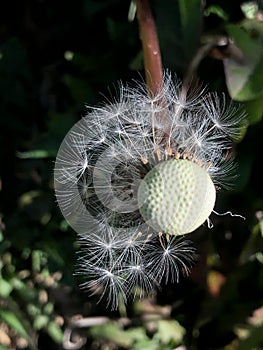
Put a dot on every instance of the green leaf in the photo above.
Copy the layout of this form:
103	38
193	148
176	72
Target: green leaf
254	28
2	347
40	322
36	260
254	84
54	332
244	67
190	13
37	154
11	319
5	288
261	226
132	11
111	331
170	330
48	308
216	10
254	109
34	309
249	8
259	257
1	233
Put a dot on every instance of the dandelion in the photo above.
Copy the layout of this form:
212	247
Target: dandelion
135	176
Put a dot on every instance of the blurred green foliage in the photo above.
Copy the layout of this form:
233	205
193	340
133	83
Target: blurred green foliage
57	58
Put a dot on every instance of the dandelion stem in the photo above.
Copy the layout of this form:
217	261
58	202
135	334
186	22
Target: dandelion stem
150	45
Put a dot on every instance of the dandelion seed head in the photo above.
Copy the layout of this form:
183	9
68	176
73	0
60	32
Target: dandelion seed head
138	166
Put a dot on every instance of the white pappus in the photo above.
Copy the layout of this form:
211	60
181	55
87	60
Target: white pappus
135	176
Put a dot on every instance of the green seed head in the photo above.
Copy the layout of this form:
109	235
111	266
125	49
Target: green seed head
176	197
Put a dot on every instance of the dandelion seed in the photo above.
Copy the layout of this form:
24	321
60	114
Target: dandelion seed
106	283
138	280
169	258
138	166
222	115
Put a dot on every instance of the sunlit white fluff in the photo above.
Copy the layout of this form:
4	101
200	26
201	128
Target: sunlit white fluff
102	161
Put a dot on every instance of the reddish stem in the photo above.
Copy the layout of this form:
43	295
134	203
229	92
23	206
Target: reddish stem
150	45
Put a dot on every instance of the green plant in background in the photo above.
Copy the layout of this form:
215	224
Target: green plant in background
25	304
48	74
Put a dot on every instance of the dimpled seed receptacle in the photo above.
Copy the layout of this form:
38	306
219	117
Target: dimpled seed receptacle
176	197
